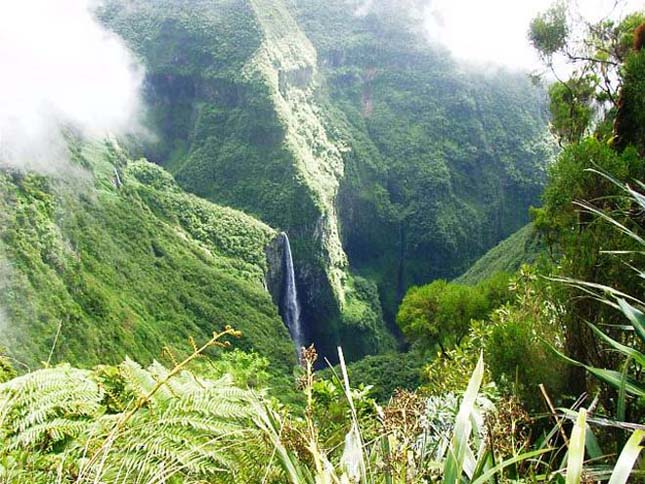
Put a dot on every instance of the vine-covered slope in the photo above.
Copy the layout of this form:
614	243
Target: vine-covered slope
127	267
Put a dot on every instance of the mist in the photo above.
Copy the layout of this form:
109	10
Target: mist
61	68
492	33
495	32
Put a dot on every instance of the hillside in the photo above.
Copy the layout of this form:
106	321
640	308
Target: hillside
322	242
380	156
444	161
127	270
523	247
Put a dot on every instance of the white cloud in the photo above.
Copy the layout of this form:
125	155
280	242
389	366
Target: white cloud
60	66
495	31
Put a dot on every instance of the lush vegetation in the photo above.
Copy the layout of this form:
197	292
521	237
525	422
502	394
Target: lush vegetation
523	247
118	286
373	155
98	272
433	146
440	313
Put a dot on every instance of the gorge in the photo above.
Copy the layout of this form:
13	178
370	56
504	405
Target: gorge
297	241
260	105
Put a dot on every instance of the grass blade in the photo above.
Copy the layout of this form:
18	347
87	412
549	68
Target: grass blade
576	454
486	476
627	458
458	447
636	317
625	350
611	377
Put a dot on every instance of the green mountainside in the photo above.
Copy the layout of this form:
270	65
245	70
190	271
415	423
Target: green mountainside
149	300
523	247
128	270
443	162
240	125
386	163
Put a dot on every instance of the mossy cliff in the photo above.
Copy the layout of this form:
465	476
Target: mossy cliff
441	163
127	267
377	154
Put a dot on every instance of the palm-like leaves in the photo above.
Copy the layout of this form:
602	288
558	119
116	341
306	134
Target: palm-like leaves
622	381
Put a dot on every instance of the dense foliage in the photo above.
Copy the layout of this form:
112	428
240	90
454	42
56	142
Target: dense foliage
376	153
394	164
442	161
439	314
523	247
99	272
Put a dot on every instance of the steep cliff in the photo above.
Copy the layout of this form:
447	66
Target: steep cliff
376	153
442	161
256	140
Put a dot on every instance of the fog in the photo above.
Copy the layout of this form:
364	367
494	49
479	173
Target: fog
60	67
495	31
492	32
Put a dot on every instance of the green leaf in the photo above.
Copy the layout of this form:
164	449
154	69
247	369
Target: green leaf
576	455
621	405
636	317
591	444
454	464
627	458
486	476
611	377
615	379
626	350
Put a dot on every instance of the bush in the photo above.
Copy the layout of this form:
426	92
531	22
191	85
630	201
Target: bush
439	314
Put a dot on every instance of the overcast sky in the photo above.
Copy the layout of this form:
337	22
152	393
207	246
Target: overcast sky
494	31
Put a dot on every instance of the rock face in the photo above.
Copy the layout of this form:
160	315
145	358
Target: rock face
282	285
274	278
378	155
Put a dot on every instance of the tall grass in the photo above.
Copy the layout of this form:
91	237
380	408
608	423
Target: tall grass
393	456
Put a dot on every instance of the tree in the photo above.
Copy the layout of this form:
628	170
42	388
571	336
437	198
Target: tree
439	314
596	53
629	125
598	114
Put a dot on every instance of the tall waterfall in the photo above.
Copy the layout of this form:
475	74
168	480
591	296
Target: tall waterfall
289	305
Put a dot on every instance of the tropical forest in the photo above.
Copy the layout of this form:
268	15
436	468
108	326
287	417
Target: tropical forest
322	241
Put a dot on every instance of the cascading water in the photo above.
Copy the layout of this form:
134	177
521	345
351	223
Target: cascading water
290	307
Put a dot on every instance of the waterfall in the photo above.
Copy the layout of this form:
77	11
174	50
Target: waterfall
290	307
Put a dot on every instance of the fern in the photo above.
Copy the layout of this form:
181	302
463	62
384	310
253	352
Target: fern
47	406
125	424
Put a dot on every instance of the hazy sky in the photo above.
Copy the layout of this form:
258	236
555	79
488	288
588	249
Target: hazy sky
495	30
60	66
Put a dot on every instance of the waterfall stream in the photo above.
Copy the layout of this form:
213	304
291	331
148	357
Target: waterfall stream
290	305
